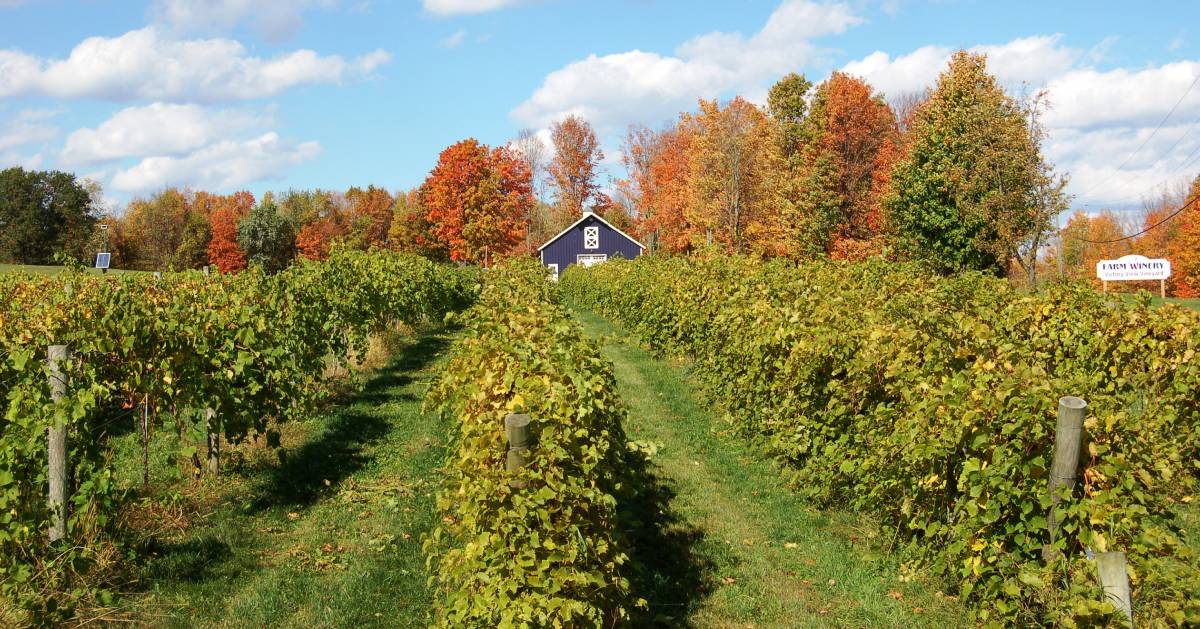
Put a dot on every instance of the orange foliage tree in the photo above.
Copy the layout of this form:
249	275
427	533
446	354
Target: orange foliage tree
1184	248
477	199
858	132
226	212
371	211
572	172
659	170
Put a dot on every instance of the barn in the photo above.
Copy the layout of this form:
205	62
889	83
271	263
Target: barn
589	240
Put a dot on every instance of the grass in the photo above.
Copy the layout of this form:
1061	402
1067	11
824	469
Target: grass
730	544
322	533
38	269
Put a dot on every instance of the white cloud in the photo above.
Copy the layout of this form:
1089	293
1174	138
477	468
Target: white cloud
222	166
613	90
466	7
1033	60
274	19
1097	119
29	126
156	129
143	64
455	40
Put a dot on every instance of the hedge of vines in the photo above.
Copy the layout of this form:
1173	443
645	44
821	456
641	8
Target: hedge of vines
550	553
930	403
253	347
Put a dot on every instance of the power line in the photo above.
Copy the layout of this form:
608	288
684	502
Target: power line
1155	132
1169	217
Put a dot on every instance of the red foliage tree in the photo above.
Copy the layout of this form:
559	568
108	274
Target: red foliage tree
477	200
226	212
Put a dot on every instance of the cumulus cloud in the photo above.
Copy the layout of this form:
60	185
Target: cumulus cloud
1098	120
611	90
225	165
143	64
1032	60
155	129
467	7
29	126
274	19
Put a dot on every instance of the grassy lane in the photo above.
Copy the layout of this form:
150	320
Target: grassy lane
731	545
328	536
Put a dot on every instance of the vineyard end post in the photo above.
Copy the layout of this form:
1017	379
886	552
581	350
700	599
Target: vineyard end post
516	428
1068	436
57	444
214	441
1114	578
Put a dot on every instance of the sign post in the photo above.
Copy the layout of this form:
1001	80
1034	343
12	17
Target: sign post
1135	268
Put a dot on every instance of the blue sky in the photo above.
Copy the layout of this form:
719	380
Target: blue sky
271	94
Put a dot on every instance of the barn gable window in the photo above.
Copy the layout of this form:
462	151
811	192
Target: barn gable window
591	237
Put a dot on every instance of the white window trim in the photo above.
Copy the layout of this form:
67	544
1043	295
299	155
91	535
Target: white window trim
553	271
591	234
594	258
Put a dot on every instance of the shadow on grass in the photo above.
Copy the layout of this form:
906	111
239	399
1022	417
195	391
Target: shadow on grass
668	572
338	451
333	452
192	560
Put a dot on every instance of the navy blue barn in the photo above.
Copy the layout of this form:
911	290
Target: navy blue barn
590	240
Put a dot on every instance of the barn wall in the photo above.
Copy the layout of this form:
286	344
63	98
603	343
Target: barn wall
563	251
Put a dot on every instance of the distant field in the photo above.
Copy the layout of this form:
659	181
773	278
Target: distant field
37	269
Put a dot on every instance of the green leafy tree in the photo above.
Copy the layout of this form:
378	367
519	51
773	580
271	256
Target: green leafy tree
43	213
267	237
963	197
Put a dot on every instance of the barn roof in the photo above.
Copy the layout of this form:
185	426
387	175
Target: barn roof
583	218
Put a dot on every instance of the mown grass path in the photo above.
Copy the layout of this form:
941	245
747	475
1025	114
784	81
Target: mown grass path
328	538
730	545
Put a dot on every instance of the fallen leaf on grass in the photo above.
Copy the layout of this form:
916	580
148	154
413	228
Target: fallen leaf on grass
791	545
728	580
293	516
896	595
832	582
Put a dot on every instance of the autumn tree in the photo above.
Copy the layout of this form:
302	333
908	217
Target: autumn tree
735	168
530	148
160	226
225	213
1088	239
301	207
477	199
960	199
1047	197
266	237
371	216
1183	248
411	229
573	169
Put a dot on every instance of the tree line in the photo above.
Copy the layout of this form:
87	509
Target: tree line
954	177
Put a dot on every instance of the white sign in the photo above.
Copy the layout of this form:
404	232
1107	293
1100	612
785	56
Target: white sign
102	260
1133	268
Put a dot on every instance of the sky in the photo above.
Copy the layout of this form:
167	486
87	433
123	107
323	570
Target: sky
225	95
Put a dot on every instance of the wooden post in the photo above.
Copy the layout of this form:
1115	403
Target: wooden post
1162	288
145	430
1114	578
1105	287
57	441
1068	435
214	441
516	427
